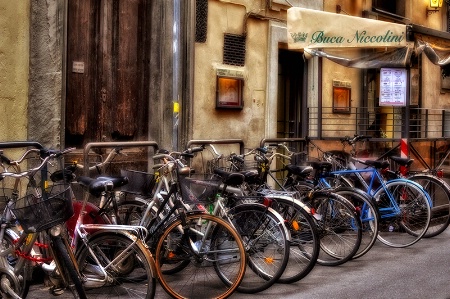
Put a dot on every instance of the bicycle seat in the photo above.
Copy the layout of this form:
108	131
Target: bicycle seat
300	170
251	176
402	161
98	185
230	178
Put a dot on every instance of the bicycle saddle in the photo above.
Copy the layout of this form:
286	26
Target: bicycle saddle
300	170
402	161
230	178
98	185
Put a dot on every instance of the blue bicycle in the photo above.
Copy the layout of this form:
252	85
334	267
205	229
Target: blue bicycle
404	206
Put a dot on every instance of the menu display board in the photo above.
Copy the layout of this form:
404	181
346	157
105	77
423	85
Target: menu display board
393	87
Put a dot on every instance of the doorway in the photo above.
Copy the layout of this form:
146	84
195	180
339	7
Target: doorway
290	90
107	94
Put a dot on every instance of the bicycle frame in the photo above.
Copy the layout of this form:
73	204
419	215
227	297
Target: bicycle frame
369	187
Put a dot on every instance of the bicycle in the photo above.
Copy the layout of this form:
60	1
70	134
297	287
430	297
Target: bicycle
404	206
182	241
436	187
113	258
331	212
39	215
304	241
265	238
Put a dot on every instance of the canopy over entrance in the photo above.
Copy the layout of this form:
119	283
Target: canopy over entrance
348	40
314	29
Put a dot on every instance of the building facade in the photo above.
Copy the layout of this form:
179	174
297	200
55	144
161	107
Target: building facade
174	71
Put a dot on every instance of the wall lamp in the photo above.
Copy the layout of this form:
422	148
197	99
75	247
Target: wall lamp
435	6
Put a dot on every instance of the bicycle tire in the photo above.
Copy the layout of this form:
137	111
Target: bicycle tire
339	226
199	277
130	211
302	187
439	192
24	281
132	277
305	242
266	239
407	226
368	213
365	206
63	256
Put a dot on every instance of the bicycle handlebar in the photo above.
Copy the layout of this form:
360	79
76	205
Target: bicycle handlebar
47	154
115	151
355	139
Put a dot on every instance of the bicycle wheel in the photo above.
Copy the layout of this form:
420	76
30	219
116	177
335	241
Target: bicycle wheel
216	254
368	213
439	192
63	256
405	212
130	211
127	262
302	187
339	226
267	242
20	283
304	244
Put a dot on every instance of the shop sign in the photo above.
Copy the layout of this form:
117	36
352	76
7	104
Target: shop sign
309	28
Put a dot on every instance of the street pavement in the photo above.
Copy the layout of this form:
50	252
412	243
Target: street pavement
417	272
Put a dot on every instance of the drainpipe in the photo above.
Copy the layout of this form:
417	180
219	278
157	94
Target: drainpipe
176	68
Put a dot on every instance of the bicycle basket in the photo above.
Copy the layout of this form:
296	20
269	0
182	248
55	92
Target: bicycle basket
36	214
195	190
139	182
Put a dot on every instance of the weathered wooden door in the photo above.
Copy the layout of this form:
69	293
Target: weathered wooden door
107	71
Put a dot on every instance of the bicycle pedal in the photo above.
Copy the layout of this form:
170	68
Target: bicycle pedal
55	291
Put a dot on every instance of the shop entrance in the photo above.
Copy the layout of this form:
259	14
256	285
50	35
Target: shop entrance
290	90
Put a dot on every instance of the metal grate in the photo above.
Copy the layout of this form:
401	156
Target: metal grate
201	20
234	49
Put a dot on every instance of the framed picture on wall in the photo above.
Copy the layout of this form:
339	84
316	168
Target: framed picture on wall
229	93
341	97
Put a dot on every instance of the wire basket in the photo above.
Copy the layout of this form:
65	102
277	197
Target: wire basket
36	214
194	190
139	182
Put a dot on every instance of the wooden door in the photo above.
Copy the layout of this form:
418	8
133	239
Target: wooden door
107	71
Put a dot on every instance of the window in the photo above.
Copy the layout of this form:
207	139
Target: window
389	8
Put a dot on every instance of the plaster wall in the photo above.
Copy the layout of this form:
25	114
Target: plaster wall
14	63
248	123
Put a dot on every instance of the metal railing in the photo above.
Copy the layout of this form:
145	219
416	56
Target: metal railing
379	122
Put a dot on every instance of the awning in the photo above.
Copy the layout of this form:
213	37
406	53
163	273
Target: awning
348	40
312	29
436	54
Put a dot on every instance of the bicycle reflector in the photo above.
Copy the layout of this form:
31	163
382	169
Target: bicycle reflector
267	202
440	173
403	170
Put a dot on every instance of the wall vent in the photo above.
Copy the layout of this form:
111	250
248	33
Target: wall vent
234	49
